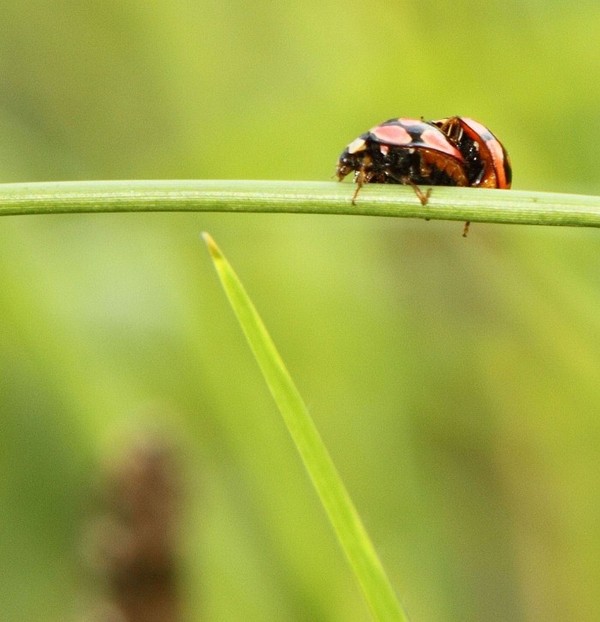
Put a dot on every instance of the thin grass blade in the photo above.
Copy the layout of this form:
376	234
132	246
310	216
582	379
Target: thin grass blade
344	518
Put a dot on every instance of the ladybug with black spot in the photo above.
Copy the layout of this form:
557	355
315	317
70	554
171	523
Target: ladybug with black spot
455	151
487	163
404	151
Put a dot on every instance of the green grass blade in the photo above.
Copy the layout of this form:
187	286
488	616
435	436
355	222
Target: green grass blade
343	516
304	197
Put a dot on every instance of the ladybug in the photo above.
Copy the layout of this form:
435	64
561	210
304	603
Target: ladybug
404	151
487	163
459	152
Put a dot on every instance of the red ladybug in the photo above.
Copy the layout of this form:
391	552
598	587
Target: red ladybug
403	151
456	151
487	163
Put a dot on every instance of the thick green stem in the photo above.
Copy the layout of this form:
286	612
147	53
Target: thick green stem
306	197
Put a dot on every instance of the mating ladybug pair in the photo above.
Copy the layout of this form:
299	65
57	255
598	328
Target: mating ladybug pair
456	151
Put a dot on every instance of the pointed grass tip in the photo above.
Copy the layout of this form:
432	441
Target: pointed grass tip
213	249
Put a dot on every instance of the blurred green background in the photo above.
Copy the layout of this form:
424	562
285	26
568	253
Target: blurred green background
456	382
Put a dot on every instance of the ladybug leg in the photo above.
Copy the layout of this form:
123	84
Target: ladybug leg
361	177
452	128
466	228
423	196
407	181
447	123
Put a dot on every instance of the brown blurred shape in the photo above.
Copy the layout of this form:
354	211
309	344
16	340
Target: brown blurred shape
135	543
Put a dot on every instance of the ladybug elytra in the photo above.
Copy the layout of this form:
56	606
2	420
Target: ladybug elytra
403	151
